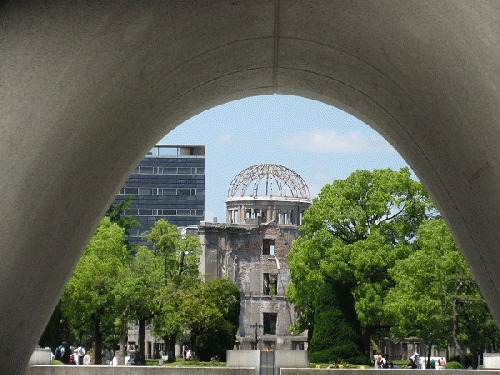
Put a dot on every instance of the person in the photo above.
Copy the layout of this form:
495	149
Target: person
417	360
80	352
442	363
188	355
433	364
86	359
137	356
379	360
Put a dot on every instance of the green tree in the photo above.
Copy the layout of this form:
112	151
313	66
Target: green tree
337	331
354	232
435	296
213	318
177	259
89	295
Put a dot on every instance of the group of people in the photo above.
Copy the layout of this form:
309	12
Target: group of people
73	356
382	362
415	362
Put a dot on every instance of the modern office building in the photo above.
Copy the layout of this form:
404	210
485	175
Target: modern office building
169	183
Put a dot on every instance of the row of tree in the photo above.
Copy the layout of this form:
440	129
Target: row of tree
114	284
377	260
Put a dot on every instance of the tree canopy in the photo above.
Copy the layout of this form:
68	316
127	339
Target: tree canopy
435	296
354	232
89	295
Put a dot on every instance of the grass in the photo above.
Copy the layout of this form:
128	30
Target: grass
346	365
181	362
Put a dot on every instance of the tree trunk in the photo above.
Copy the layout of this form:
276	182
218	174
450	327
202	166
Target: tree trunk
429	357
98	340
120	356
170	346
456	329
142	339
367	333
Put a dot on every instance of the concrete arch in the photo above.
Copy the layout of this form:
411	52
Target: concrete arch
88	87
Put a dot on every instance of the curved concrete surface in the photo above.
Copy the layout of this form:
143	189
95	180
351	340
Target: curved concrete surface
89	87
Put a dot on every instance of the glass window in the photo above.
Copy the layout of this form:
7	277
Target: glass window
169	170
200	170
183	191
131	190
199	213
268	247
168	191
146	170
184	170
183	212
169	212
145	212
200	192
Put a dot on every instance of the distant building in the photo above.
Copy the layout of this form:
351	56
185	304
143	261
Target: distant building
264	211
169	183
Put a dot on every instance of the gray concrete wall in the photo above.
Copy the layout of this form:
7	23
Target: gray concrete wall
135	370
372	371
89	87
41	356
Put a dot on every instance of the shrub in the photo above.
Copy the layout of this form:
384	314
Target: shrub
453	365
55	362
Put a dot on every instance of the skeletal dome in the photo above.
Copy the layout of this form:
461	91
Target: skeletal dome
268	180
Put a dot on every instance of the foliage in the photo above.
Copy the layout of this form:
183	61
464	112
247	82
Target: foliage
87	301
337	331
215	327
354	232
55	362
436	297
209	311
116	214
453	365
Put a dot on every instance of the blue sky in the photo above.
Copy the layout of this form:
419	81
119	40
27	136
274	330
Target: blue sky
319	142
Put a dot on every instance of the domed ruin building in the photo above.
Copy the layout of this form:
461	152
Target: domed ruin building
264	211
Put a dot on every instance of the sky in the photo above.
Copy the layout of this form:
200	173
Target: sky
319	142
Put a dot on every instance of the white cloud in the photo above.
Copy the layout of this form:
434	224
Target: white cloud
332	142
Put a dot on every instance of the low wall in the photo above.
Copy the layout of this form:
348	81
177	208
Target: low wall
155	370
40	356
491	360
135	370
369	371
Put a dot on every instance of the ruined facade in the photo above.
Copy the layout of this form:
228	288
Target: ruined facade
264	211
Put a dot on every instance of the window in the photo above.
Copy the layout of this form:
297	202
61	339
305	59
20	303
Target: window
270	323
297	345
131	191
183	212
200	170
270	284
169	170
268	247
183	191
184	170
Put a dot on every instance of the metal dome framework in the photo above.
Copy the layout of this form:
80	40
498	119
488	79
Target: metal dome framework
287	182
